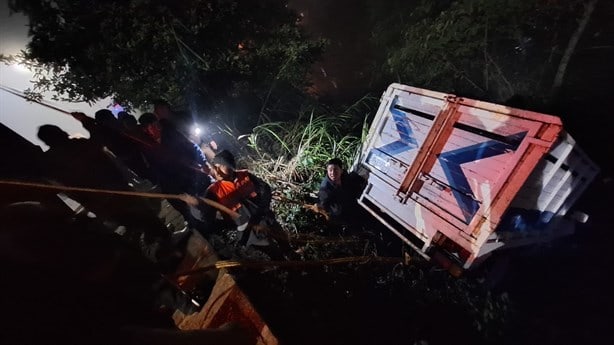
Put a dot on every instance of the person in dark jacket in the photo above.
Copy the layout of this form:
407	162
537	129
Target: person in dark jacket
178	164
339	192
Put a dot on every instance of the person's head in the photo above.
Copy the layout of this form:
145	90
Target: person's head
334	170
105	117
52	135
151	126
162	109
224	164
127	120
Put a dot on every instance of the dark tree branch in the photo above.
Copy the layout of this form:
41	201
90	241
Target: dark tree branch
571	47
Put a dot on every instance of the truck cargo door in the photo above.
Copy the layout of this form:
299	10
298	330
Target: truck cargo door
401	131
465	160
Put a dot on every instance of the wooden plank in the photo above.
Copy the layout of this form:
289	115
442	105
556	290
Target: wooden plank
227	303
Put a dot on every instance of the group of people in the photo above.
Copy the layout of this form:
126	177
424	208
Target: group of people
120	151
118	157
44	249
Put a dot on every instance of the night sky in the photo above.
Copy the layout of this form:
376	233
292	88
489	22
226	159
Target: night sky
19	115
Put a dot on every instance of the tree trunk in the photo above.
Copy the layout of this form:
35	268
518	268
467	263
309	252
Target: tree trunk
571	47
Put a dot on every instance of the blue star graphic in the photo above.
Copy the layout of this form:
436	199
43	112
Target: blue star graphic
451	163
406	140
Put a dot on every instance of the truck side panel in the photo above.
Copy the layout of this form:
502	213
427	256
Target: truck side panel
538	213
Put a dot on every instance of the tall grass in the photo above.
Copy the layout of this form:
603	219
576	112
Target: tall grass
291	155
296	151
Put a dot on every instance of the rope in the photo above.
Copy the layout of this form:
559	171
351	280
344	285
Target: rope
294	264
22	95
300	238
297	238
209	202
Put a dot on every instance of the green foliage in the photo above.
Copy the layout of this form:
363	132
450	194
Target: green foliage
291	155
492	49
197	53
411	304
423	290
297	150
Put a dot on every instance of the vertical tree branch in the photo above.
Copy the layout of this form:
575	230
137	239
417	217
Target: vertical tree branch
571	47
461	73
262	117
504	80
485	72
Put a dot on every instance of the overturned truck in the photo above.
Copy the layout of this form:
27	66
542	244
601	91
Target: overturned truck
457	179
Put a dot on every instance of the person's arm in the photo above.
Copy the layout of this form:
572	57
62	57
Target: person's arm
324	196
327	199
199	155
202	160
208	213
189	199
86	121
263	191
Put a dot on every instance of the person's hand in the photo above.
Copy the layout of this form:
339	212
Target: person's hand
317	209
79	116
188	199
206	169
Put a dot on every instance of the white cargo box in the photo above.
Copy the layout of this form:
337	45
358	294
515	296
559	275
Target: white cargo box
465	177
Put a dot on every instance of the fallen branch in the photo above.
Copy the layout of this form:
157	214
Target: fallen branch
287	264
